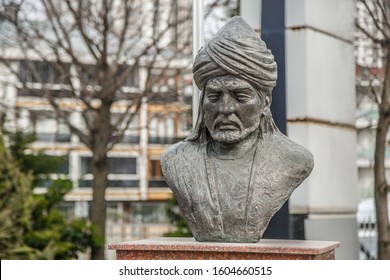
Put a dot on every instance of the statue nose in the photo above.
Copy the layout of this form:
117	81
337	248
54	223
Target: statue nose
227	104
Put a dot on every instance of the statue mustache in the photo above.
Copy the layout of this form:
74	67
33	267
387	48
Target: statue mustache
231	119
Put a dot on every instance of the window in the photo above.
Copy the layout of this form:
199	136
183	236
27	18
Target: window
130	139
164	85
44	72
52	137
116	165
122	165
47	128
85	165
156	179
89	74
148	212
164	140
163	129
124	183
157	184
130	136
64	166
130	74
60	164
40	93
182	26
112	183
85	183
155	168
114	212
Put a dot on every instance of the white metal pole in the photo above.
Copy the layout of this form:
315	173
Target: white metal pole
197	42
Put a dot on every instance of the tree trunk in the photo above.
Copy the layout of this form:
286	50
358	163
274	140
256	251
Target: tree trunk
381	184
98	203
100	175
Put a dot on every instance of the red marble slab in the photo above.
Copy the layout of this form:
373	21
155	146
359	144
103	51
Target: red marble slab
189	249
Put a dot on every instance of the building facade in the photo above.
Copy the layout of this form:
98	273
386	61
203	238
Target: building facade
136	187
136	194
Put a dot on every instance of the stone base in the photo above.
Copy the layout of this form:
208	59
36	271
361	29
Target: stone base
189	249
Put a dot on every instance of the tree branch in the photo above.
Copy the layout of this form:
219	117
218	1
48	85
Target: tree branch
374	39
78	17
375	19
123	32
385	15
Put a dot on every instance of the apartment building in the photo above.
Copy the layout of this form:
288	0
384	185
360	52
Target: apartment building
137	192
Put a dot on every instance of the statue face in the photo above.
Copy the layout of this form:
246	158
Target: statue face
232	109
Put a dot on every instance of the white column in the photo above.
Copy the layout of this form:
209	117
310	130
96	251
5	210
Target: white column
321	116
142	164
250	10
8	94
74	168
197	42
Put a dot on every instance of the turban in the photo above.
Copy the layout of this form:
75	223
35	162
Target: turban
236	50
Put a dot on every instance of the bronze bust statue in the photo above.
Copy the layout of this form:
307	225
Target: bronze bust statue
236	169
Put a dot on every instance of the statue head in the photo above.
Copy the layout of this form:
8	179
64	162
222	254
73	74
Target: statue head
236	74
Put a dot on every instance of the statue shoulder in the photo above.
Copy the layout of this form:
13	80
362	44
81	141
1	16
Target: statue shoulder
180	161
179	154
180	150
295	156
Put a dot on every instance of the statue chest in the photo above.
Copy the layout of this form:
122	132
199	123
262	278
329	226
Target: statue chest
230	179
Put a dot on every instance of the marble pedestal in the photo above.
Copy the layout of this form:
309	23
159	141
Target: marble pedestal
189	249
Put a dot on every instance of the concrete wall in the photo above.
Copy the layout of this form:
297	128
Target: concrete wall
320	85
321	116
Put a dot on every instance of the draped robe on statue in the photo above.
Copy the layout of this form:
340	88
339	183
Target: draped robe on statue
276	167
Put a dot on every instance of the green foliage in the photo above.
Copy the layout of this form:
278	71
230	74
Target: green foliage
176	218
49	235
16	201
40	165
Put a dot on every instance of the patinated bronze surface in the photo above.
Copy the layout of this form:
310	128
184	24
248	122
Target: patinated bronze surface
235	170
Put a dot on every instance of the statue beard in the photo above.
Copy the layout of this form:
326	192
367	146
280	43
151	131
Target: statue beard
233	136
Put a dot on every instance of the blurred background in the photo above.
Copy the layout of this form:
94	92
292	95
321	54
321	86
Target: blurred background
93	91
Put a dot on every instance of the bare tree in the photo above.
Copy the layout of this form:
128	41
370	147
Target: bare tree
373	28
102	54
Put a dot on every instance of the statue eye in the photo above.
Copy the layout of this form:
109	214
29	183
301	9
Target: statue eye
213	96
242	97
